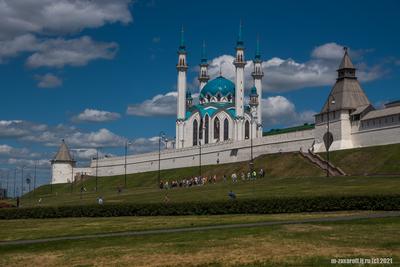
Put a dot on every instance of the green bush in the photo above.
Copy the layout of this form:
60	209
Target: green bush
256	206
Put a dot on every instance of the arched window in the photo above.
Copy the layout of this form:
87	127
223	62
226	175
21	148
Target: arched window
229	98
216	128
208	97
206	128
247	130
201	130
226	129
195	131
218	97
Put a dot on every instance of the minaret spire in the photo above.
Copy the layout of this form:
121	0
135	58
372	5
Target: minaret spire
203	76
239	63
257	78
181	88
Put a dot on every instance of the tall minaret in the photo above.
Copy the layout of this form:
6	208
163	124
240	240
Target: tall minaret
203	76
181	87
257	76
239	63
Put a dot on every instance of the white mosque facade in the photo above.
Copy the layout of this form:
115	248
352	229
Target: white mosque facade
223	128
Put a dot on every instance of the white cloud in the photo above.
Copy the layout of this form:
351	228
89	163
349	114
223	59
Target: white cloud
160	105
48	81
278	110
282	75
29	162
26	131
74	52
59	16
328	51
94	115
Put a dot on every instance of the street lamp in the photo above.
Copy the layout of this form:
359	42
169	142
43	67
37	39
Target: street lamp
331	100
253	114
127	143
161	136
97	166
15	181
22	180
200	158
34	179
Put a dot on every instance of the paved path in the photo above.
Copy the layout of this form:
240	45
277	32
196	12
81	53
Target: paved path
205	228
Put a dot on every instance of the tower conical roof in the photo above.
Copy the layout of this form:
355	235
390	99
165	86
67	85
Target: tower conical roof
63	153
347	91
346	61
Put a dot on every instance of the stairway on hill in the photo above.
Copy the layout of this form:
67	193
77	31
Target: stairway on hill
322	163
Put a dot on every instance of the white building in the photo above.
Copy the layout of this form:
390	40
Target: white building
222	128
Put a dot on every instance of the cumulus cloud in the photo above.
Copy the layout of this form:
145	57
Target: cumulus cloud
94	115
59	16
281	75
278	110
74	52
26	131
48	81
159	105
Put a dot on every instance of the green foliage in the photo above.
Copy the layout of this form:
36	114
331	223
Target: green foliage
255	206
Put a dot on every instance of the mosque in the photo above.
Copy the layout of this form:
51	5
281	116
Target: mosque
223	128
221	113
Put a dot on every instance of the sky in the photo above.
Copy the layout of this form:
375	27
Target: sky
98	73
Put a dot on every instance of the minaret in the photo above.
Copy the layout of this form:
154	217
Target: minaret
181	87
203	76
257	76
239	63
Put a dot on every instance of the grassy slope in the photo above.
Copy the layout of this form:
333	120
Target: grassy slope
311	244
368	160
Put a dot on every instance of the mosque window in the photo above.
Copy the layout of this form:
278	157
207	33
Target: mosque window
226	129
216	128
195	132
201	129
247	130
218	97
229	98
206	129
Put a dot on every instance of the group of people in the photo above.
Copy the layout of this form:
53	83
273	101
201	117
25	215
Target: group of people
202	180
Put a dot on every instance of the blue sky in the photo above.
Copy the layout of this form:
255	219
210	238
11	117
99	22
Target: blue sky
59	58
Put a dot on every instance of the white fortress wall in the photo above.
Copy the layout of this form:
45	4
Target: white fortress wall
376	136
226	152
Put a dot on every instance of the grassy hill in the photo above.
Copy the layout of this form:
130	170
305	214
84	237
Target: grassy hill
376	160
287	175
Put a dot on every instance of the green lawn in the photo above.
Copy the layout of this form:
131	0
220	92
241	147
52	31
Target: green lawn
311	244
43	228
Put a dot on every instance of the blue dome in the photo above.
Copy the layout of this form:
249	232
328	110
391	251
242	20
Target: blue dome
218	85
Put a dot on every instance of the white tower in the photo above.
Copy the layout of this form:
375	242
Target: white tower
181	87
239	63
257	76
62	166
203	76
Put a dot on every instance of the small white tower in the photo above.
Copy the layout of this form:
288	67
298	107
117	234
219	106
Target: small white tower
239	63
181	87
257	76
62	166
203	76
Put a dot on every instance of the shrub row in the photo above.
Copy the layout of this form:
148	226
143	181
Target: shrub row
256	206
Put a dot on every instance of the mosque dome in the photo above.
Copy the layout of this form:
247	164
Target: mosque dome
219	86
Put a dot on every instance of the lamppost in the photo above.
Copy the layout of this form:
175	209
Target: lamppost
8	177
22	180
200	158
34	179
15	182
251	142
161	136
331	100
127	143
97	165
72	172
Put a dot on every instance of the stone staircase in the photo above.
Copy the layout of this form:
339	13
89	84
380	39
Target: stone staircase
322	163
